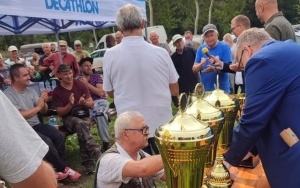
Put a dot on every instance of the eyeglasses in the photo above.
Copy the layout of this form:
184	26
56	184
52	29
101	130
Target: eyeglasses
239	61
143	130
232	29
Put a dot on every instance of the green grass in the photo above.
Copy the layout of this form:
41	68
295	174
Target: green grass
73	158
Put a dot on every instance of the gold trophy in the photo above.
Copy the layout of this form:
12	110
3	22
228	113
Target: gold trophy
219	175
184	144
214	117
252	161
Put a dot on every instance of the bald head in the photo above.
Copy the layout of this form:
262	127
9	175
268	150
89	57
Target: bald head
119	37
265	9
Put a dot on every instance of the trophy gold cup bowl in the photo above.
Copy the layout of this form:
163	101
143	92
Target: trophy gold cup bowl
219	175
214	117
184	144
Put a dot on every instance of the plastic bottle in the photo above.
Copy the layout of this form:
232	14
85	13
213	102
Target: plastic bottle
47	84
53	84
41	86
52	121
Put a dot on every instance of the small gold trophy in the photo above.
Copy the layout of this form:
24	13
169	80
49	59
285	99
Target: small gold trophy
219	175
184	144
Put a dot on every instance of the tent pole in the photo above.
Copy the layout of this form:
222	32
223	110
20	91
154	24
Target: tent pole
59	50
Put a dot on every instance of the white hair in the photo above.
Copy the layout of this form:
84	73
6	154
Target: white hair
124	121
129	18
252	37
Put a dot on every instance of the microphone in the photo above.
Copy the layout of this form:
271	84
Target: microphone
206	52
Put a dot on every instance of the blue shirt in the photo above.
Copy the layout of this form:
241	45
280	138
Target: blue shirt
223	52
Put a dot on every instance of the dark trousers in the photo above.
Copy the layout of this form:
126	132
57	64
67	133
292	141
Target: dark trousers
151	146
56	142
236	87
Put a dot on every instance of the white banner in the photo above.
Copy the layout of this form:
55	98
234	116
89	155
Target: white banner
86	10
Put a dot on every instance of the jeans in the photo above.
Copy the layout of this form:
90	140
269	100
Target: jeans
56	142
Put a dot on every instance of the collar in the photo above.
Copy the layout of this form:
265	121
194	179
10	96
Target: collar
268	42
273	17
124	153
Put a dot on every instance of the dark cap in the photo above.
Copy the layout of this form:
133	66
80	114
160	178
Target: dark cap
209	27
89	59
64	68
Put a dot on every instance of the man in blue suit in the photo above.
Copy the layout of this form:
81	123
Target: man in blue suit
272	75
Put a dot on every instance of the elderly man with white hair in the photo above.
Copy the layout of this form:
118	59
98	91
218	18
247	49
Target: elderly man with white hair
125	164
138	75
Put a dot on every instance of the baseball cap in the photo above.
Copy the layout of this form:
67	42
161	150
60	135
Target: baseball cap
64	68
12	48
209	27
77	42
63	43
89	59
176	37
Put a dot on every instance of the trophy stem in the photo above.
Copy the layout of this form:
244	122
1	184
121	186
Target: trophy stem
219	177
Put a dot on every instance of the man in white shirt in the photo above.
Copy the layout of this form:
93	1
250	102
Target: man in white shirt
138	75
125	164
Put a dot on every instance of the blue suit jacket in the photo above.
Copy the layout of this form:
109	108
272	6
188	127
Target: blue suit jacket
272	77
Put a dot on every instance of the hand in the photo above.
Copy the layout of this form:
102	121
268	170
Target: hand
84	80
41	103
44	95
7	81
235	67
71	99
209	69
82	100
217	62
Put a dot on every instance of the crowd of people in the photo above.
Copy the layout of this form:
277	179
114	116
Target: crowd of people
144	78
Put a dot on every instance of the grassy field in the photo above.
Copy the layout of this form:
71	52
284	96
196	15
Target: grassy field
73	156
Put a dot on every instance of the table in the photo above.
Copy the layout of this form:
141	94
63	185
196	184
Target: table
249	178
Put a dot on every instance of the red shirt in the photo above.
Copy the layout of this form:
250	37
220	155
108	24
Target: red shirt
60	95
68	59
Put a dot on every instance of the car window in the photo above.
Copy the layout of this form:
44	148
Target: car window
98	54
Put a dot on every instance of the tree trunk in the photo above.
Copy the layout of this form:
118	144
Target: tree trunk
150	12
197	17
95	37
210	9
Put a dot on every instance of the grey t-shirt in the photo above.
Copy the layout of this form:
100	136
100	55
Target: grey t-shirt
22	150
24	101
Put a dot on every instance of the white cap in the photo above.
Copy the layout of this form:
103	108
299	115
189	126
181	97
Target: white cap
12	48
176	37
77	42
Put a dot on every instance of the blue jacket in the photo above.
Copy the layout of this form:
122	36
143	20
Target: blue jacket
272	77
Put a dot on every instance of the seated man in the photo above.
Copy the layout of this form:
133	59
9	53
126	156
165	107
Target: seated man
27	101
125	164
72	101
94	83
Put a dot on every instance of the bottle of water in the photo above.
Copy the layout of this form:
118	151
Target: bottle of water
52	121
41	86
47	84
53	84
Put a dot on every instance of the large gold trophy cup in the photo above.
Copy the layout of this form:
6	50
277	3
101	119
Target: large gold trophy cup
219	175
184	144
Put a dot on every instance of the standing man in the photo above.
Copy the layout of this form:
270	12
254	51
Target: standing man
72	101
274	92
138	75
154	40
94	83
119	37
217	49
183	59
79	53
45	71
275	23
125	164
22	151
188	37
67	58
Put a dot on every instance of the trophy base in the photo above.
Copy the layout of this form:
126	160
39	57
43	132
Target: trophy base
251	162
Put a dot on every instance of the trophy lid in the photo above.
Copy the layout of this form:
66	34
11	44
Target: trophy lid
219	98
202	109
184	127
